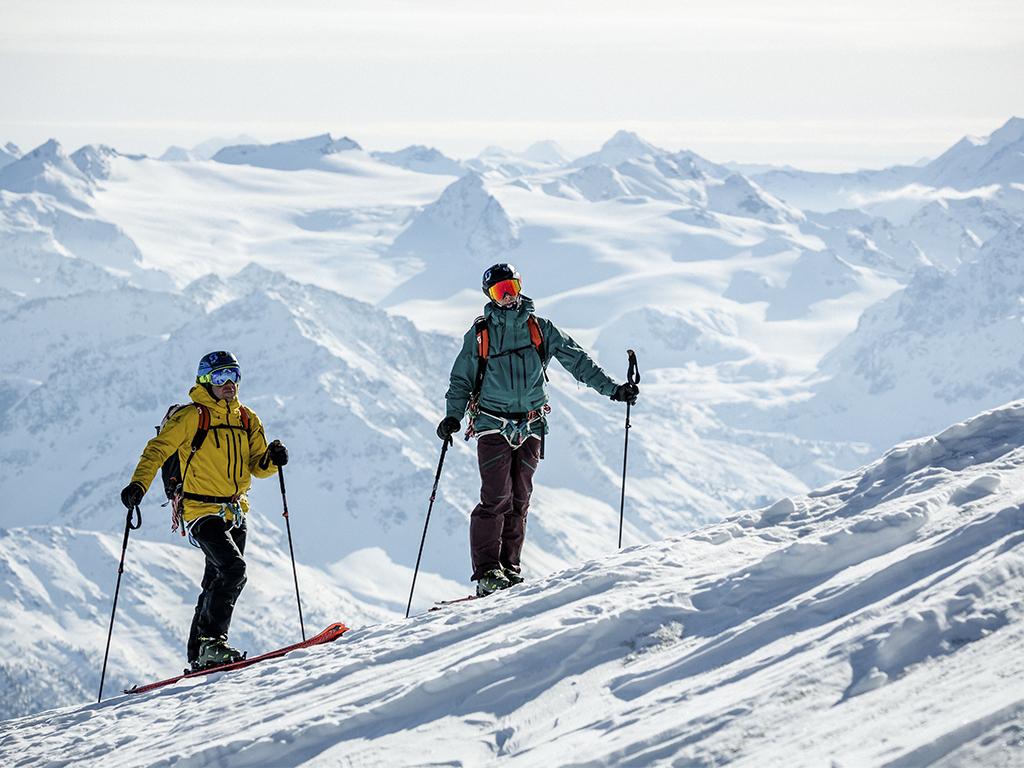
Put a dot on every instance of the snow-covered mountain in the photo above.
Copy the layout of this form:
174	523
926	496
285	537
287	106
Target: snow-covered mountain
947	340
780	348
539	157
9	153
979	162
315	152
422	160
48	170
876	621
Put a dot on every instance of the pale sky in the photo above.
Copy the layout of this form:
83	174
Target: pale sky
819	84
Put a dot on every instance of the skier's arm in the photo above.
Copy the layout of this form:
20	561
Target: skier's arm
178	431
260	464
575	360
463	377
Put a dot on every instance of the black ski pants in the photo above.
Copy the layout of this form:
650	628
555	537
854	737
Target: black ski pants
223	579
497	526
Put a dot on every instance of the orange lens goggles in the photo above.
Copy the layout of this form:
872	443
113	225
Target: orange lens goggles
499	291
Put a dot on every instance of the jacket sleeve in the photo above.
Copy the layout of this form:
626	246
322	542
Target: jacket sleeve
260	464
463	377
575	360
177	432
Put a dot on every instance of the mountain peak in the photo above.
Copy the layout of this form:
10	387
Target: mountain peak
623	146
547	151
978	162
630	140
93	160
49	170
1011	132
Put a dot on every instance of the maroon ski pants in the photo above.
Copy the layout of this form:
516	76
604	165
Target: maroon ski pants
497	526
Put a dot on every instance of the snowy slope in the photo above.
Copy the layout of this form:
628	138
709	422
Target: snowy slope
326	225
876	621
57	591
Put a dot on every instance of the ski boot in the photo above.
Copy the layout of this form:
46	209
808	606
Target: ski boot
513	577
491	582
215	652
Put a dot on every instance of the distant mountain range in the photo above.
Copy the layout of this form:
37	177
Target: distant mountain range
789	326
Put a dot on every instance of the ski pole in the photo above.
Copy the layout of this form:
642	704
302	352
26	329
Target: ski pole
291	551
633	371
128	527
433	493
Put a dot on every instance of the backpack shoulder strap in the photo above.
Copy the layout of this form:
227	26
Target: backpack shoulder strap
482	348
482	337
536	336
244	413
203	428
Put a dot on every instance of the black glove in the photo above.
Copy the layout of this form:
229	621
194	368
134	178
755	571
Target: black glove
449	426
277	453
132	494
626	393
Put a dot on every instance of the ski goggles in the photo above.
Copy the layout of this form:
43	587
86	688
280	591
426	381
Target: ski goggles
499	291
221	376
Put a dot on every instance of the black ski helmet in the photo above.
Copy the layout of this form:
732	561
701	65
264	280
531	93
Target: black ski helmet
498	272
215	361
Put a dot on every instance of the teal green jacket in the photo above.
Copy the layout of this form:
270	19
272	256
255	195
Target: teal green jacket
514	378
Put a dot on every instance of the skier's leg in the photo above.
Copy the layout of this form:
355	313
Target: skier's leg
494	455
223	547
524	463
193	636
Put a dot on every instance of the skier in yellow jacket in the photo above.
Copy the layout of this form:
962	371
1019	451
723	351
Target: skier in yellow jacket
212	499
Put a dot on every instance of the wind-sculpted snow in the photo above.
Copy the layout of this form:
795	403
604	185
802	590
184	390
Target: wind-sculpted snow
876	621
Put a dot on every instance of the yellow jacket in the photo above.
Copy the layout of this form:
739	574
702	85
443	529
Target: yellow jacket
225	463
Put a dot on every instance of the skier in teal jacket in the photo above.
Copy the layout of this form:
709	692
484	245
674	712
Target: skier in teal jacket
498	380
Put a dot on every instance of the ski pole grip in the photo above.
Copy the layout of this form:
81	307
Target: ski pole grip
633	375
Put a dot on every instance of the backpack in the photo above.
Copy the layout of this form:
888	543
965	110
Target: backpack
172	472
483	348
